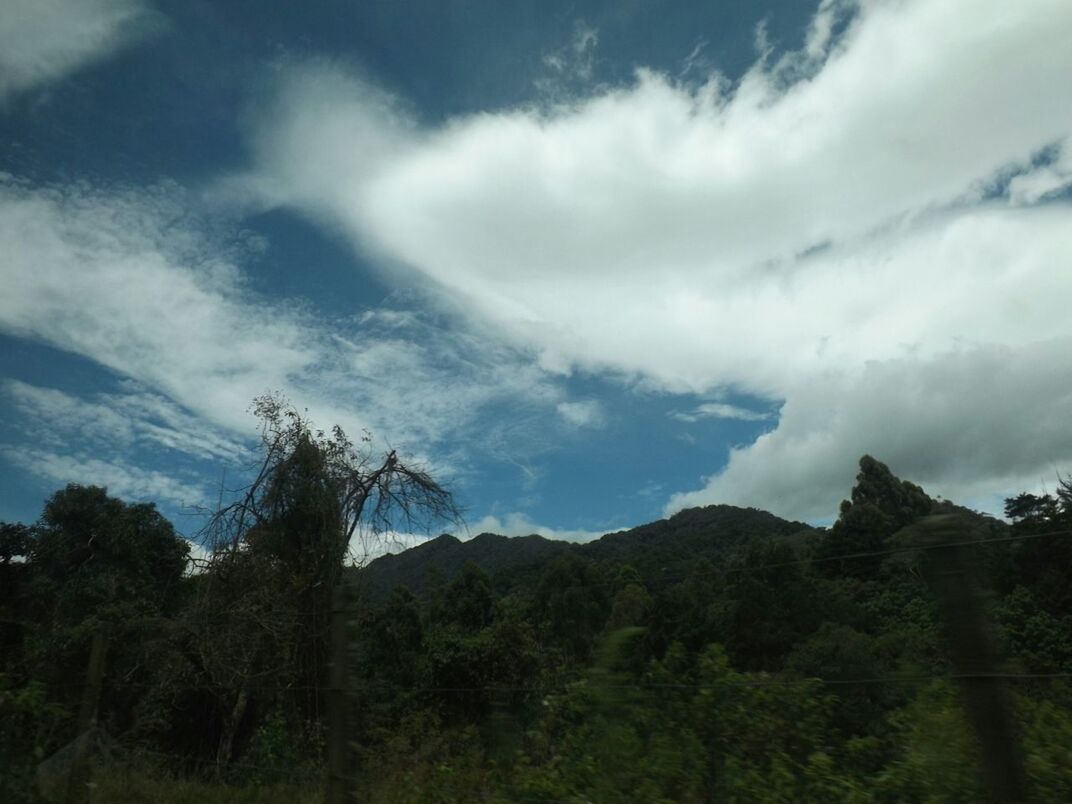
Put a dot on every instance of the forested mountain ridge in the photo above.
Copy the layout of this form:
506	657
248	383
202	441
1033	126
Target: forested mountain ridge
880	503
441	560
666	547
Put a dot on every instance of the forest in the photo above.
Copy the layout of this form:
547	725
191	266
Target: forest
913	651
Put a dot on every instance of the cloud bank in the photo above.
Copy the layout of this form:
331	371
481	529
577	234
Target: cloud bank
967	425
884	209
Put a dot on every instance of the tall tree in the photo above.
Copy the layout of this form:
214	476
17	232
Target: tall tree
279	550
96	562
881	504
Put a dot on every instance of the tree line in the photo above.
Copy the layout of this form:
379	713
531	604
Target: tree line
808	667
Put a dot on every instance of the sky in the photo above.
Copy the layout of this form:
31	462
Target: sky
589	262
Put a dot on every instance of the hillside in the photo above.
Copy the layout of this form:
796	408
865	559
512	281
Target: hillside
674	545
443	557
664	547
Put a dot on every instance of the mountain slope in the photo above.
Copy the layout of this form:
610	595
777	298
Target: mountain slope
665	546
444	557
675	544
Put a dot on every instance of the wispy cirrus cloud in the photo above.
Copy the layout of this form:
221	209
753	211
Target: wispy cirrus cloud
119	476
139	282
118	421
825	212
42	41
720	410
570	68
582	413
129	279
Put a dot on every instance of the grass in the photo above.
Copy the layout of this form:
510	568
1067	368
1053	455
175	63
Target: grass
131	786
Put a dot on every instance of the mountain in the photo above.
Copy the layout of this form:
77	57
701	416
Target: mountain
674	545
667	546
443	557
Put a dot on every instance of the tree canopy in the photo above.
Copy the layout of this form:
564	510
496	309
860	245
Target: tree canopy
722	655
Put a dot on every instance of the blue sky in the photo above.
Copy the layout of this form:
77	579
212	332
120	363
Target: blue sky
590	262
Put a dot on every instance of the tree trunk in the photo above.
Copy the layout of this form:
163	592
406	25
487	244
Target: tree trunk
230	729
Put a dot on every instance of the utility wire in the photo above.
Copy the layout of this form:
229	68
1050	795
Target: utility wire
585	683
756	568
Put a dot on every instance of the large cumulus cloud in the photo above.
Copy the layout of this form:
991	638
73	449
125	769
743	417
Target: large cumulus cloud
882	208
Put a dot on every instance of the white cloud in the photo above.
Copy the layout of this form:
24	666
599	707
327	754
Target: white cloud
569	68
582	413
519	524
44	40
121	479
421	379
118	421
819	214
696	62
638	230
720	410
125	278
970	425
199	557
366	547
137	282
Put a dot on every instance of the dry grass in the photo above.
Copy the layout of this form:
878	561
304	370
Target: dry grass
138	787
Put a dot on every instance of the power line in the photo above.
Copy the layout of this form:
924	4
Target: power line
756	568
739	681
281	615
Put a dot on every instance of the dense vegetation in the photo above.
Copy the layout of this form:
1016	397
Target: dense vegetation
721	655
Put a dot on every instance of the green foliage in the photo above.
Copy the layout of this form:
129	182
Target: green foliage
631	605
279	752
29	728
938	759
94	555
720	656
572	601
124	785
840	653
16	540
1037	638
881	505
1031	508
92	563
468	601
1046	726
769	605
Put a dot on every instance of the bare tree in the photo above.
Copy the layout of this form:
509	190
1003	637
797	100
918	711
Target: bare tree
359	488
279	549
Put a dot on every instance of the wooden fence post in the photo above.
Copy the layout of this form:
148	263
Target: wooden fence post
949	574
340	779
79	778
